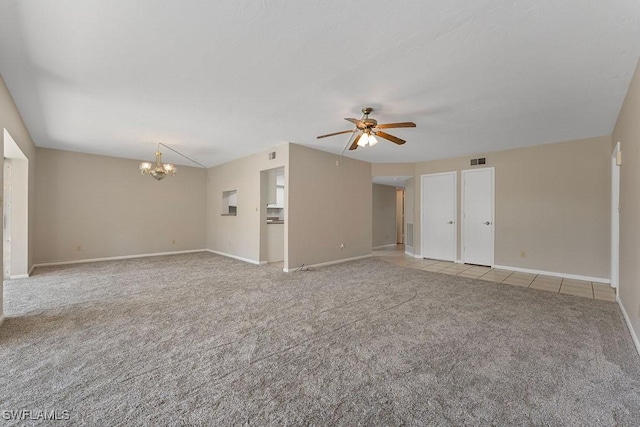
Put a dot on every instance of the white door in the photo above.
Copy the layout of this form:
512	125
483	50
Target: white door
477	216
439	216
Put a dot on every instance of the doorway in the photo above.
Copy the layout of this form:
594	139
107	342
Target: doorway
439	207
478	199
399	216
272	198
615	216
6	220
15	239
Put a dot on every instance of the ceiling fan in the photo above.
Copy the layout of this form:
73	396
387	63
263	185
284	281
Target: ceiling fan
369	129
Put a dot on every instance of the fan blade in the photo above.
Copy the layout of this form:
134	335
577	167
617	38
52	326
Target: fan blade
391	138
355	143
397	125
336	133
357	122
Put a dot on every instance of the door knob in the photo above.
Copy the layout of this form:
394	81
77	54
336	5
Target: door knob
450	222
487	223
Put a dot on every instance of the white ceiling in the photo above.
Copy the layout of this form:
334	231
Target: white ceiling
221	79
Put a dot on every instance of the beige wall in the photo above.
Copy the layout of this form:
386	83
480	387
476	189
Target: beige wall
393	169
399	215
411	213
384	215
627	131
11	120
240	236
329	205
552	202
105	206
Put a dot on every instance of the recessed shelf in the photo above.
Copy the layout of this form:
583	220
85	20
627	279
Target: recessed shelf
230	203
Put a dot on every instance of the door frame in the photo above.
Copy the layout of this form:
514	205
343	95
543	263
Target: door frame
615	217
493	211
19	208
455	210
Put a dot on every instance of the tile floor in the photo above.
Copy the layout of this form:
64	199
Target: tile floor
581	288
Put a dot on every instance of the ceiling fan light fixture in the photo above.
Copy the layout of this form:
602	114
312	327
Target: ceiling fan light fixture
364	140
366	128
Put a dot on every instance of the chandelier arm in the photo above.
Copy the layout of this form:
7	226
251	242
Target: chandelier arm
188	158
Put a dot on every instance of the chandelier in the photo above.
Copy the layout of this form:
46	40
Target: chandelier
159	170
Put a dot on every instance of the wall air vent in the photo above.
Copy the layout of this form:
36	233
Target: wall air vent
478	161
272	155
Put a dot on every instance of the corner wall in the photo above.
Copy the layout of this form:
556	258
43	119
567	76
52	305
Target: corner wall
384	215
627	131
552	202
328	205
11	120
104	207
239	236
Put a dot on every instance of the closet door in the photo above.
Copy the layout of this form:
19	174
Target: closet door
439	216
477	216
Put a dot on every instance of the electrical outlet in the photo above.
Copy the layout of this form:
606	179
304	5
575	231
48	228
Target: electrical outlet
523	254
341	245
78	248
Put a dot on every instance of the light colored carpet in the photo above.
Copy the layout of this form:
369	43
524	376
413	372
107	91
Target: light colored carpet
206	340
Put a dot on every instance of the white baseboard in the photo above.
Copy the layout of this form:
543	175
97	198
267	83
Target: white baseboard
239	258
322	264
385	246
113	258
19	276
634	336
458	261
552	273
412	254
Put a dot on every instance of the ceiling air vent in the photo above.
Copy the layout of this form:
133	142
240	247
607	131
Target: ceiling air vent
272	155
479	161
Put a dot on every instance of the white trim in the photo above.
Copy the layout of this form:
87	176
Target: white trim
19	276
1	318
385	246
458	261
114	258
455	211
239	258
493	210
552	273
322	264
412	254
634	336
615	217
